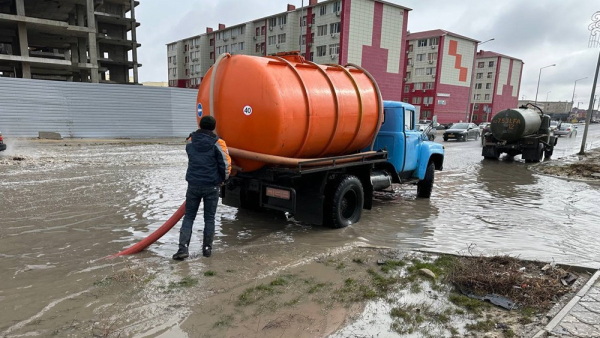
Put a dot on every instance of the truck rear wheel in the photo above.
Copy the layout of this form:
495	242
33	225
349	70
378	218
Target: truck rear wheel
344	202
548	153
425	186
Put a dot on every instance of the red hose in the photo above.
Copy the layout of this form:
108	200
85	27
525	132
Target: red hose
146	242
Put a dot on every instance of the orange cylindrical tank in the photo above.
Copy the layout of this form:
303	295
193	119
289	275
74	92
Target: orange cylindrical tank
286	106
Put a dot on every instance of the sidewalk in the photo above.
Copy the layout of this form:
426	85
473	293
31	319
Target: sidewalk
580	317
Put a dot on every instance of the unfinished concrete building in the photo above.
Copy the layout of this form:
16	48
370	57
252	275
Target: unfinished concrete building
69	40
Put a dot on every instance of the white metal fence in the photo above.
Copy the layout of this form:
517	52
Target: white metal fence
94	110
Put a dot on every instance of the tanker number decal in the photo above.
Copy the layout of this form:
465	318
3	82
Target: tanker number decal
247	110
510	122
199	109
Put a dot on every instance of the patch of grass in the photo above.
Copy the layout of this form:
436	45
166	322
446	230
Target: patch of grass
527	314
381	283
453	331
415	287
209	273
340	266
279	281
223	322
509	333
392	265
316	287
293	302
185	282
358	260
481	326
254	294
230	270
470	304
399	312
459	312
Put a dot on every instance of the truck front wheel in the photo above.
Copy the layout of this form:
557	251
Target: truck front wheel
344	202
425	186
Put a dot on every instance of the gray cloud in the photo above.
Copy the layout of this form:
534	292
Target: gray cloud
540	32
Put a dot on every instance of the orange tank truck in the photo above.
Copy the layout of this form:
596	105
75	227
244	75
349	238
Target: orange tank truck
286	106
313	141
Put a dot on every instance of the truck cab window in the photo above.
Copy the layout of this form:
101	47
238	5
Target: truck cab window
409	120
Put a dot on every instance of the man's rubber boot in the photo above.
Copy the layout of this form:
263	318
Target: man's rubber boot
207	245
184	243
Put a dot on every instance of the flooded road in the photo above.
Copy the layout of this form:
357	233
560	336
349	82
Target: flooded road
64	206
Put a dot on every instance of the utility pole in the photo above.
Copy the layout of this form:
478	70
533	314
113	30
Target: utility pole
594	42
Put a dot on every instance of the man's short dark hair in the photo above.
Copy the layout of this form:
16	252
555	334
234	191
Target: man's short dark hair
208	123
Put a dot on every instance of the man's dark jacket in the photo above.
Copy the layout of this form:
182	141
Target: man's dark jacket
209	162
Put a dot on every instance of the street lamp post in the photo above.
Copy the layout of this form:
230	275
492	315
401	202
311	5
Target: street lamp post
538	85
594	28
575	86
470	100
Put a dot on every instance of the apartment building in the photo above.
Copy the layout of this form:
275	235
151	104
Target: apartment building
369	33
439	68
69	40
496	85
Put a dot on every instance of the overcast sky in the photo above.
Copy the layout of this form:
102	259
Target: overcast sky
539	32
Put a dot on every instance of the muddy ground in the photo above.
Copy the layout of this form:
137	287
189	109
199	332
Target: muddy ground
66	204
582	167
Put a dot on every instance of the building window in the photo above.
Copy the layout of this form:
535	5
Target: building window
257	48
419	71
212	55
303	39
337	6
428	100
489	75
416	100
474	117
187	72
420	57
488	86
219	35
257	31
410	61
262	48
477	97
408	75
272	40
410	48
272	22
418	85
322	10
487	96
432	56
321	50
283	20
406	88
322	30
476	106
491	64
429	85
480	64
433	41
405	100
430	71
281	38
303	21
479	75
212	42
312	56
169	59
263	30
334	49
334	28
312	37
422	43
241	46
186	59
478	86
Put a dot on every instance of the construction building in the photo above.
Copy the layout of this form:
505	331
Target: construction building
369	33
439	68
496	85
69	40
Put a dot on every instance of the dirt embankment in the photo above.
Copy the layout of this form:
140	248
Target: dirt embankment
585	167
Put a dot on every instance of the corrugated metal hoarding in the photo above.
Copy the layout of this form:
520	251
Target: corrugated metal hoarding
94	110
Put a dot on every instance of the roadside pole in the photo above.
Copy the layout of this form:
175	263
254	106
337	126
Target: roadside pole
594	28
590	109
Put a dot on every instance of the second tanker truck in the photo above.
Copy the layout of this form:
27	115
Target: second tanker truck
311	140
523	131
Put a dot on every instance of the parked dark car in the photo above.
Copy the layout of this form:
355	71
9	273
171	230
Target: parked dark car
425	128
462	132
2	145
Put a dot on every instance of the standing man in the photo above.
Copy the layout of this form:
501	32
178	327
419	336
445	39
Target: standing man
208	167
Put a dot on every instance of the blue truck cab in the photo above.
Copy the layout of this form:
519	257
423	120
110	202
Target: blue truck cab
412	155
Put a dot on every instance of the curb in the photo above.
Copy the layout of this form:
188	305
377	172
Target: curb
565	310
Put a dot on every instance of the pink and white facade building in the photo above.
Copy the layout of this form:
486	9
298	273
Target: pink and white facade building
369	33
438	73
496	85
